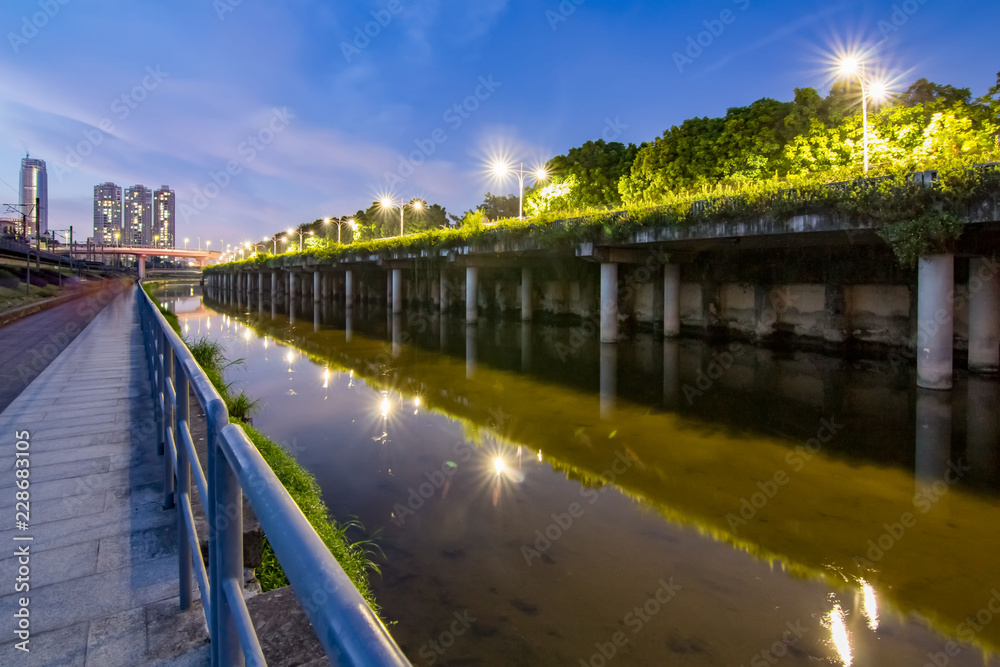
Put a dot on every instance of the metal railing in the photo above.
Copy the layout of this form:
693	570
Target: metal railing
348	629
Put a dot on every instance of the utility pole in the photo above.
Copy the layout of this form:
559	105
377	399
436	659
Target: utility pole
38	235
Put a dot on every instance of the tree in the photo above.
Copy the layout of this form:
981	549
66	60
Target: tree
923	91
496	207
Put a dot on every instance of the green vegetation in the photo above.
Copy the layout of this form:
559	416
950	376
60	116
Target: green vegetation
168	315
301	486
769	159
354	557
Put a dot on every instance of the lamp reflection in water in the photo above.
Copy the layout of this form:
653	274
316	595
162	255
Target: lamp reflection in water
838	635
869	605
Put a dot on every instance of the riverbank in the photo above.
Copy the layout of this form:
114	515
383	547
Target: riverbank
353	557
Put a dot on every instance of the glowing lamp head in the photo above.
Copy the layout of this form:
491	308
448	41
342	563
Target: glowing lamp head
326	221
353	223
385	202
541	174
290	230
500	169
849	66
417	205
878	91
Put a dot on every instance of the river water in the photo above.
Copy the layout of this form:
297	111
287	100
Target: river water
542	499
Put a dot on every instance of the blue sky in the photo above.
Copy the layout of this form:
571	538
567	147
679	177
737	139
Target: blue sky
264	114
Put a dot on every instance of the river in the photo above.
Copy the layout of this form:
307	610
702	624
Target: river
542	499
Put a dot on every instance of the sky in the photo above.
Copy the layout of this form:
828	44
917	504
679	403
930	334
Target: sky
263	114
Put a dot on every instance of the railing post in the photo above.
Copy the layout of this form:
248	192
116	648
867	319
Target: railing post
168	423
181	423
158	362
225	641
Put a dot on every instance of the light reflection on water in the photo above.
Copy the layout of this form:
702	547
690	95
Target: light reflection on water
441	449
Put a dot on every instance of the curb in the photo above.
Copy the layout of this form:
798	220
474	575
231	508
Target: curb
19	313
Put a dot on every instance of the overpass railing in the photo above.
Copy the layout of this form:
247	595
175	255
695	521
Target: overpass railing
350	632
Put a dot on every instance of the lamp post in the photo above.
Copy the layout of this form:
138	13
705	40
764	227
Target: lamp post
501	169
389	203
852	66
340	224
300	233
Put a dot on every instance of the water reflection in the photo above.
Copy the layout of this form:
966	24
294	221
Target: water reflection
703	428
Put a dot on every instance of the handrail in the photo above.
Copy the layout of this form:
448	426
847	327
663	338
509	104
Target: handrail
350	632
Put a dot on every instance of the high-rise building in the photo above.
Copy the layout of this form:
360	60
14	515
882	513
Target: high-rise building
107	213
163	217
138	224
34	185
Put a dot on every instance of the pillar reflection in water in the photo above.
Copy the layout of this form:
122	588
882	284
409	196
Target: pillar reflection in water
470	350
349	321
291	310
609	378
933	443
525	346
397	332
983	426
442	330
316	319
274	308
671	374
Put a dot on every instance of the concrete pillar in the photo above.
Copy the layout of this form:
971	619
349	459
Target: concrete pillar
671	300
935	321
142	266
471	295
274	285
397	291
260	286
527	303
435	292
349	288
317	277
984	315
291	285
609	303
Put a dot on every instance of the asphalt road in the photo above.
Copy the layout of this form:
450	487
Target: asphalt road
29	345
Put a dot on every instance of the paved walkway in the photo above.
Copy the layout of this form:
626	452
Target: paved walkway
28	345
103	554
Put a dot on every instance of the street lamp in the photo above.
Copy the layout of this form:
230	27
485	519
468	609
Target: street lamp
186	244
300	233
501	169
852	66
389	203
340	224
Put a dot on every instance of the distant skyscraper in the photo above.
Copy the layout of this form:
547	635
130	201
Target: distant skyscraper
107	213
34	185
163	216
138	229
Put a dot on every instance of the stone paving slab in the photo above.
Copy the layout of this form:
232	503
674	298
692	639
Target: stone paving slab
103	554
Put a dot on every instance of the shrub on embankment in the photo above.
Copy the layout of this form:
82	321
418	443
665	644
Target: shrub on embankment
911	218
300	484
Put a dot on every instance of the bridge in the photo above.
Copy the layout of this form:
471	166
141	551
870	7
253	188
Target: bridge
820	279
142	252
